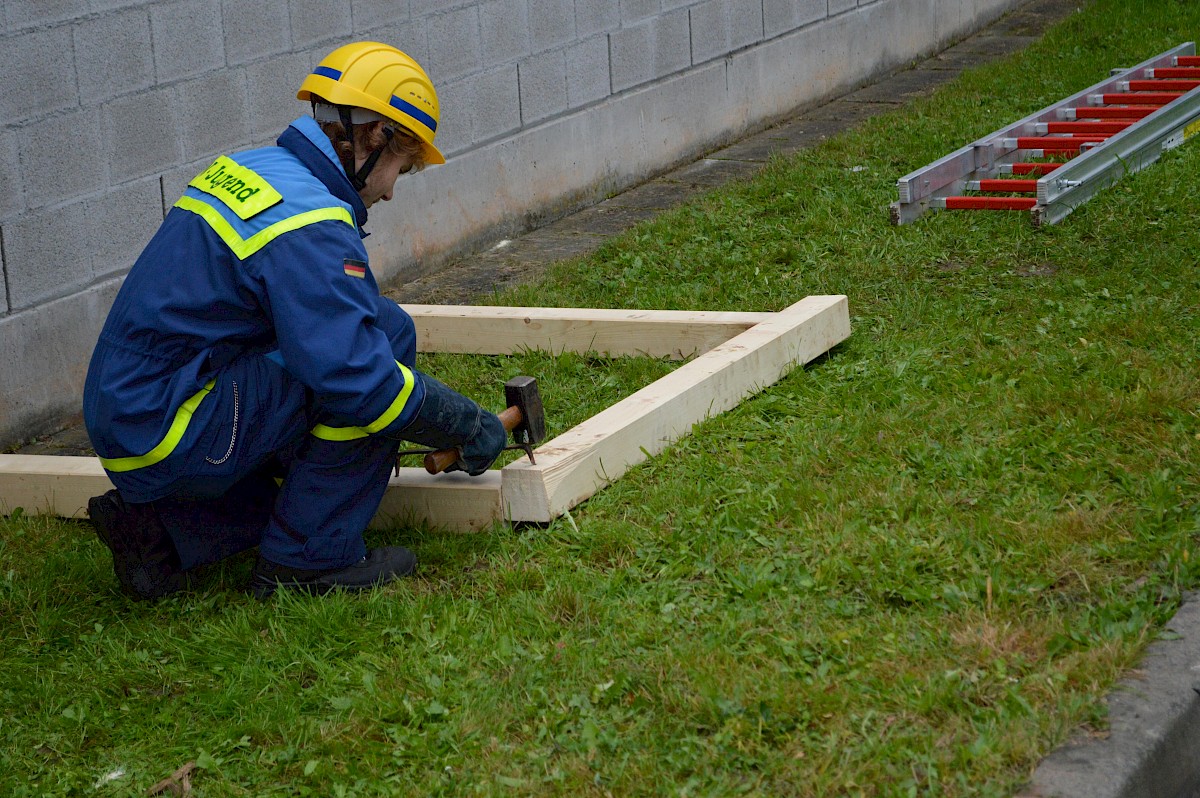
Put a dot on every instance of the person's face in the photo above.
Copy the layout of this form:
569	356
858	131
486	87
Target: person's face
382	180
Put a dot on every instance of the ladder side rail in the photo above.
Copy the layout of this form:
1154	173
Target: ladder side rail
928	179
924	182
1129	151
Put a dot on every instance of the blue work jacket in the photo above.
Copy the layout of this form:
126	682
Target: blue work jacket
262	254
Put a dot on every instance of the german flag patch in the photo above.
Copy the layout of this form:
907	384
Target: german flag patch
355	268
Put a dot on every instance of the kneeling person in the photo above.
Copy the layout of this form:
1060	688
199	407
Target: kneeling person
250	384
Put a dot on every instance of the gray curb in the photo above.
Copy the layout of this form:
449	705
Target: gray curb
1153	746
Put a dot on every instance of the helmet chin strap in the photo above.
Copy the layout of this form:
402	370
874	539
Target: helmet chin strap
359	178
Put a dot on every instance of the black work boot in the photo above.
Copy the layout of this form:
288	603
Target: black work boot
144	558
380	566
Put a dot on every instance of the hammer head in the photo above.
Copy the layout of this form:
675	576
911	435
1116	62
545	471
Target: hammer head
522	393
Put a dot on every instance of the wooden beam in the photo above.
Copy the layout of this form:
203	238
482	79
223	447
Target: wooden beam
61	485
50	484
454	502
479	330
576	464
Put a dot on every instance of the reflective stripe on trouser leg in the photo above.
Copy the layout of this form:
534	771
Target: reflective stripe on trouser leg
329	495
219	490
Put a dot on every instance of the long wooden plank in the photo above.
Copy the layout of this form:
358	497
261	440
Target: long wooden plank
454	502
50	484
61	485
676	334
576	464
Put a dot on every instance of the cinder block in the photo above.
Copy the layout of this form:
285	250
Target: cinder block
45	354
316	21
722	26
370	15
203	132
37	74
46	254
122	221
114	55
100	6
589	78
638	10
175	180
543	86
782	16
3	279
504	30
838	6
454	47
60	162
140	135
31	13
495	103
255	29
272	85
596	16
652	49
671	5
423	8
188	39
454	126
551	23
12	193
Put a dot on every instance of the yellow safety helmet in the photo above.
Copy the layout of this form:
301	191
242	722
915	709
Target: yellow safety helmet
379	78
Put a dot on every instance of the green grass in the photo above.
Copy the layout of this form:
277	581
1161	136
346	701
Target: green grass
910	568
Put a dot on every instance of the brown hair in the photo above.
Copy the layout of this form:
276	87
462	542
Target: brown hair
370	137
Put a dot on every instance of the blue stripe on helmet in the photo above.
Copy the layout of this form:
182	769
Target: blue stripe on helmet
415	112
327	72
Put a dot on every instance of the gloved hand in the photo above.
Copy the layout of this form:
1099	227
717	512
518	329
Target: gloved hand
449	420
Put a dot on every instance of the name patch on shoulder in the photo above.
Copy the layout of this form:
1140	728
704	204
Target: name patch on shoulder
355	268
239	187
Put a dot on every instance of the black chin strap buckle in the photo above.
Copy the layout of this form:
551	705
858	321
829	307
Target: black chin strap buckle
360	177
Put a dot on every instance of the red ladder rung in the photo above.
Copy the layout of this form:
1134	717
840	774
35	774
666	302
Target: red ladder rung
1175	72
1112	112
1086	127
1034	168
990	203
1187	60
1146	98
1177	86
1056	142
1003	184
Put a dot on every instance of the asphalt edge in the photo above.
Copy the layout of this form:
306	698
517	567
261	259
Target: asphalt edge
1152	749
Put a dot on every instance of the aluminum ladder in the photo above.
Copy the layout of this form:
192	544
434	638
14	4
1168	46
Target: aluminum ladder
1086	142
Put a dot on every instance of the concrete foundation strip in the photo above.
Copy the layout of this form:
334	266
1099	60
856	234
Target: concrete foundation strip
1153	746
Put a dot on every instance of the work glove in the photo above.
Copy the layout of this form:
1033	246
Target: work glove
449	420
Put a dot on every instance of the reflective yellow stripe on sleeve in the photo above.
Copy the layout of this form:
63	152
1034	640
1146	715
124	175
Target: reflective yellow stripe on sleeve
245	247
327	433
183	417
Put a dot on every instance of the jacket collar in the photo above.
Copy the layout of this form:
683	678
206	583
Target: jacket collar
306	141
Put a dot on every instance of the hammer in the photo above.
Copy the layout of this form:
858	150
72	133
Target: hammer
524	418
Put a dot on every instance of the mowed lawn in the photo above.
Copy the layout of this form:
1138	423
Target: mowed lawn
912	567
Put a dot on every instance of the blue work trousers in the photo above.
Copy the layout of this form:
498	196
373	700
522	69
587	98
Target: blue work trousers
259	433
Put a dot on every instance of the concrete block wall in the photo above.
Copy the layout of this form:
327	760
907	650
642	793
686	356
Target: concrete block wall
109	107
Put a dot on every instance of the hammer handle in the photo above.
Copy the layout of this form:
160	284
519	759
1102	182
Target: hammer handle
437	462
